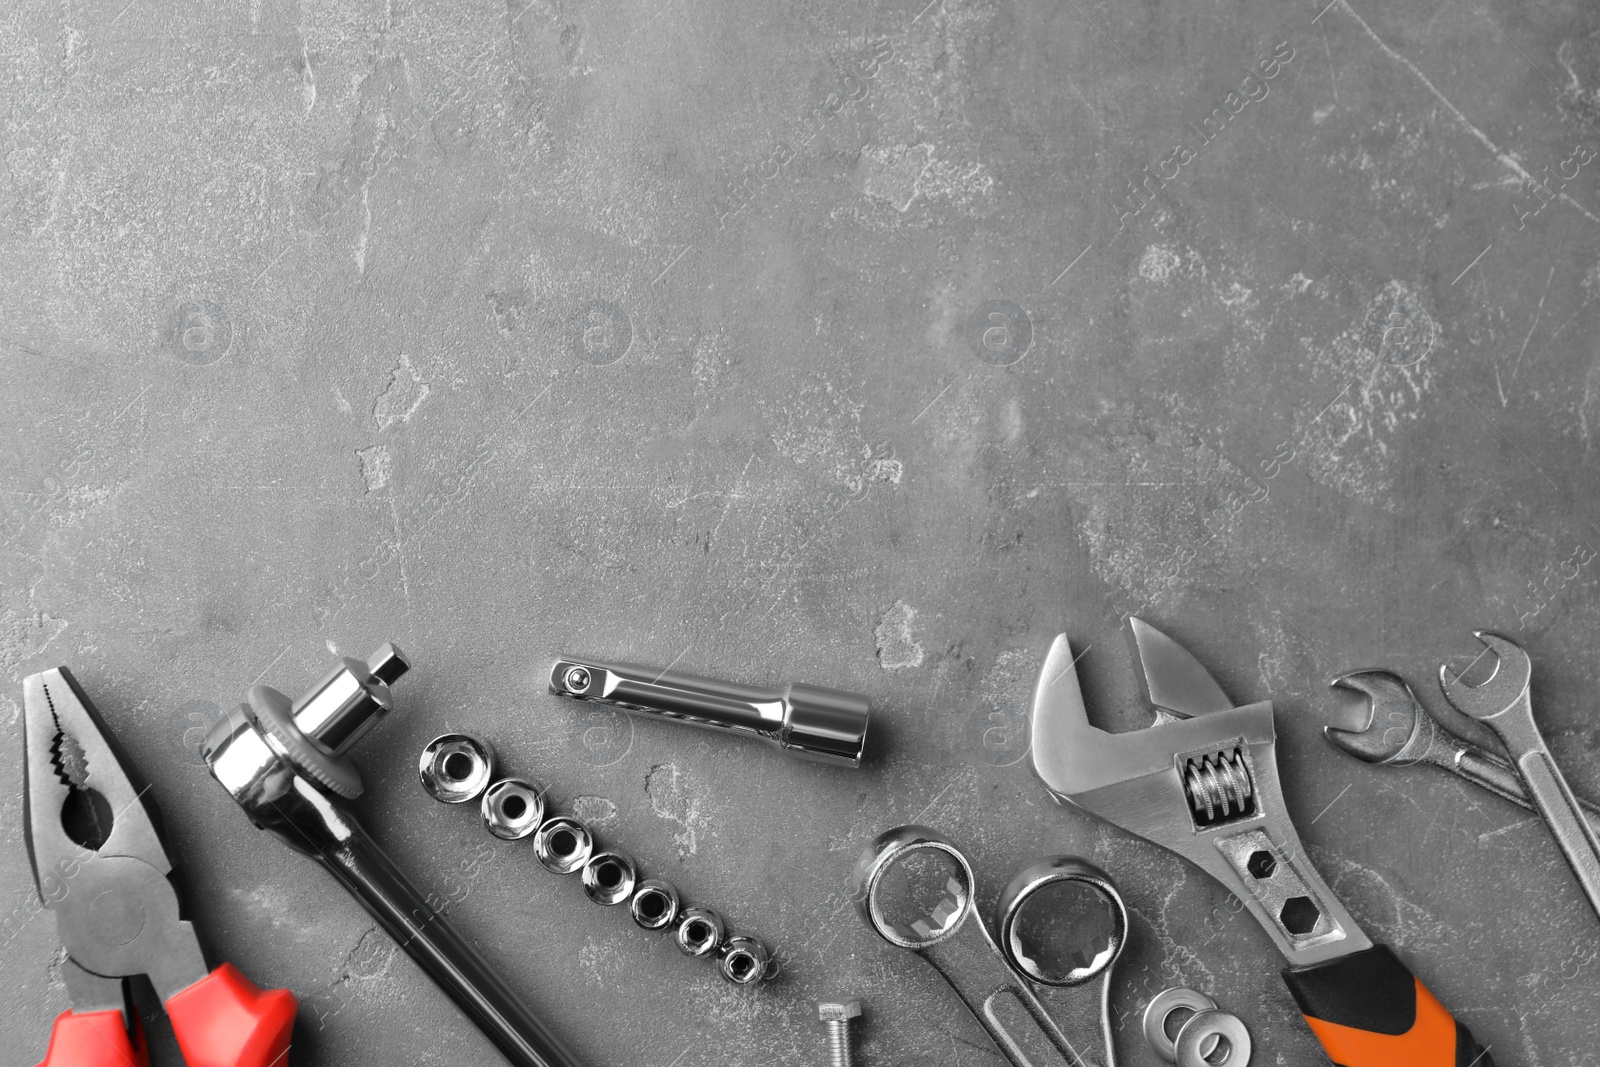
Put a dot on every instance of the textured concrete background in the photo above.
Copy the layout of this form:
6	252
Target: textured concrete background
819	342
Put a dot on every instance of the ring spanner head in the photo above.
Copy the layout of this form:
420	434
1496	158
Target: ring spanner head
1204	787
1060	922
1397	730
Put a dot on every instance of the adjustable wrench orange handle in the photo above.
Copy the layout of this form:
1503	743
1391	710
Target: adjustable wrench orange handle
1369	1010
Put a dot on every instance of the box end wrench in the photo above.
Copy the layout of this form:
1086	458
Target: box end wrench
1400	732
1502	703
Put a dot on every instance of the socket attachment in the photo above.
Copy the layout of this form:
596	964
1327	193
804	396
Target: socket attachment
743	960
513	809
455	768
699	932
655	904
562	844
609	877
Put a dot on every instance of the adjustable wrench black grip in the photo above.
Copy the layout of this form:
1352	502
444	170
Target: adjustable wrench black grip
1369	1010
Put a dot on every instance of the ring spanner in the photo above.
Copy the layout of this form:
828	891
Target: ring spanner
992	973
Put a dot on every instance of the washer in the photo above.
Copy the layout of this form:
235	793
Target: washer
1209	1030
1163	1005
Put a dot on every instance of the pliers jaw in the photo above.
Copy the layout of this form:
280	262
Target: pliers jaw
98	859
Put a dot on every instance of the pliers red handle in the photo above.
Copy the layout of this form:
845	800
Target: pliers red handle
102	870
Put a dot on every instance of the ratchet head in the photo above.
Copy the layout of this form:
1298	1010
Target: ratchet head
1397	730
1205	787
1505	689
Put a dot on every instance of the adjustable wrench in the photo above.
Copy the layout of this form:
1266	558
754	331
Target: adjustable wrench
1502	704
1400	731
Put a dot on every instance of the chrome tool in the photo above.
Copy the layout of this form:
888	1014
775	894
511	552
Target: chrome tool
1059	922
1400	731
285	763
1205	785
825	725
1502	704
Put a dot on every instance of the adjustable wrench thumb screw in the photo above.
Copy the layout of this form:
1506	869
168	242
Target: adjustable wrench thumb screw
285	763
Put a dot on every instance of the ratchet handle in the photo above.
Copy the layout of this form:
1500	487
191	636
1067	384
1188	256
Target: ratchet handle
1369	1010
226	1020
95	1039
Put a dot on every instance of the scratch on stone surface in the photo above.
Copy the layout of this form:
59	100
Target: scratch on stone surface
671	799
1539	311
1505	158
898	648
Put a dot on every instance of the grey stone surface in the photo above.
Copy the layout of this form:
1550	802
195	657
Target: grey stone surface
809	342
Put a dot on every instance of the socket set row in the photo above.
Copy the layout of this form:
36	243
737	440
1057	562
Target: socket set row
458	768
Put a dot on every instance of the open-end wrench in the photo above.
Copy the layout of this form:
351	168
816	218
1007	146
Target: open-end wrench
1502	704
1400	731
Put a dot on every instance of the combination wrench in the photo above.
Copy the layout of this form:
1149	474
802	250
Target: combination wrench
1502	704
1401	732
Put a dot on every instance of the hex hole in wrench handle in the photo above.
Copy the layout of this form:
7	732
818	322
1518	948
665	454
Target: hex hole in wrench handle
1061	921
512	808
699	932
609	877
455	768
913	886
562	844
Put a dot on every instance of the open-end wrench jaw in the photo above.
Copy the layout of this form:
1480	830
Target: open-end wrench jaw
1397	732
1205	788
1506	688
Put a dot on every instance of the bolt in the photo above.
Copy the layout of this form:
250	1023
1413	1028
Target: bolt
577	679
836	1016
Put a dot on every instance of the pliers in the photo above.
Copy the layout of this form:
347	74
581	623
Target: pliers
101	869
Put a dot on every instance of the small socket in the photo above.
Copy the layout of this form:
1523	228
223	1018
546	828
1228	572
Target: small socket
563	844
655	904
512	808
609	877
455	768
699	932
743	960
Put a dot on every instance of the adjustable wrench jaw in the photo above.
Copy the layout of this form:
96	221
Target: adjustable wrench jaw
1205	788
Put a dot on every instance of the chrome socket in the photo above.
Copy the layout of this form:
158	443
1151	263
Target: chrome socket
512	809
699	932
455	768
655	904
743	960
562	844
609	877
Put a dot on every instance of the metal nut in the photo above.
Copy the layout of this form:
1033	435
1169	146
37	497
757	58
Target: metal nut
512	808
455	768
743	960
655	904
609	877
699	932
1160	1009
1223	1037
